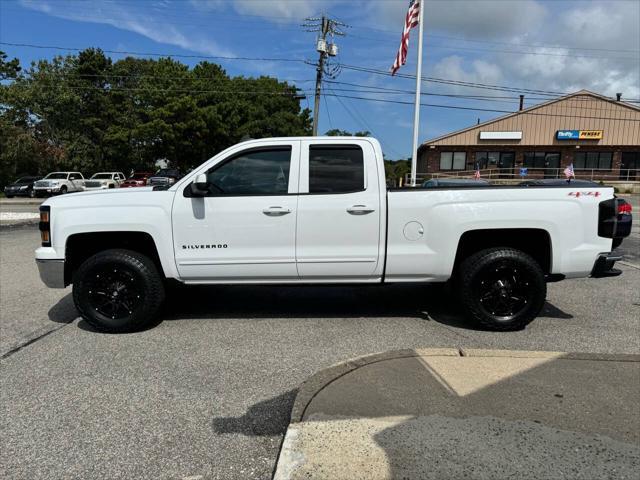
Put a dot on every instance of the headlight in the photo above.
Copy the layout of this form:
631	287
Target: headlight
24	187
54	184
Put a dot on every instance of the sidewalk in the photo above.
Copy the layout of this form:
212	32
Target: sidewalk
19	211
449	413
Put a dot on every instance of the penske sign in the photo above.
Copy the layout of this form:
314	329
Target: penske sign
579	134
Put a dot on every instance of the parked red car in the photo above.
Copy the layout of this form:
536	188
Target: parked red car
138	179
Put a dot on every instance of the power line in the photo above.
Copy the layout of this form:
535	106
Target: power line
496	98
237	17
358	68
326	105
480	109
363	122
492	42
515	52
154	54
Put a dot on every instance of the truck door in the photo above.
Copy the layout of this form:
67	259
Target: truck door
244	229
339	211
76	180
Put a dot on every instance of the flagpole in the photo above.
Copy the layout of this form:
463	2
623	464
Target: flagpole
416	113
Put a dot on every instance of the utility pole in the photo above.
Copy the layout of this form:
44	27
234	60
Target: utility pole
325	26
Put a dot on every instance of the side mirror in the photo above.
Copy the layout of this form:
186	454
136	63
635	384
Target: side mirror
199	185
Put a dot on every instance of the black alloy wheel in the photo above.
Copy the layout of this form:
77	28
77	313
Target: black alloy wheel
502	288
114	291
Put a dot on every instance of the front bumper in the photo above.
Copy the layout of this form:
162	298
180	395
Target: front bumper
43	191
51	272
16	192
604	266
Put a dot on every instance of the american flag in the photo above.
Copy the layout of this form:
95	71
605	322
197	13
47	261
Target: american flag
476	175
568	172
411	20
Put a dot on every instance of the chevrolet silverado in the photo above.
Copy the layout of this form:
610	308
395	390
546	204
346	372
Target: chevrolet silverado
316	210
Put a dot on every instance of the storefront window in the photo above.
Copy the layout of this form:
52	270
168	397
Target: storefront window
452	160
593	160
542	160
486	160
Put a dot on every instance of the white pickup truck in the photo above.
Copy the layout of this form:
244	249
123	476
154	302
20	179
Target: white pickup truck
59	183
317	210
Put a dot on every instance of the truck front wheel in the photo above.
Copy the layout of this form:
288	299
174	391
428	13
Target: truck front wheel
502	288
118	290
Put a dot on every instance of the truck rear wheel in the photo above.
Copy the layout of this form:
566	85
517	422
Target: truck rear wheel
118	290
502	288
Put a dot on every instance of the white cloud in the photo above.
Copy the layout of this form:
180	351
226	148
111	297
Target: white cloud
272	10
473	18
580	45
454	67
122	16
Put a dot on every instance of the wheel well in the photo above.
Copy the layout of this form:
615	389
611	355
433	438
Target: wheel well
81	246
533	241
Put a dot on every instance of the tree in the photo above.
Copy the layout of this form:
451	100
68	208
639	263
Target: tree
89	113
336	132
395	170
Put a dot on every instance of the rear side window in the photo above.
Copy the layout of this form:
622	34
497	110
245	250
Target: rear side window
336	169
254	172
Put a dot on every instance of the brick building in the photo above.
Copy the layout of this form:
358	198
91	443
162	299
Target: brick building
600	136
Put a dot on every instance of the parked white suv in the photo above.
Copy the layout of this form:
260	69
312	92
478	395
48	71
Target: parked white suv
59	183
104	180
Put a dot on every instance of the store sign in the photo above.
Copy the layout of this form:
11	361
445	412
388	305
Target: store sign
500	135
579	134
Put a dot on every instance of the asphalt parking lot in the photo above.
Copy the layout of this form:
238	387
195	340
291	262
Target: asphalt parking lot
207	392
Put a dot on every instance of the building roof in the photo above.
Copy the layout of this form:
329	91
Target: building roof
585	110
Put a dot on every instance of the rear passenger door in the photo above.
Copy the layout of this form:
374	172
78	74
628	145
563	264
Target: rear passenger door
338	230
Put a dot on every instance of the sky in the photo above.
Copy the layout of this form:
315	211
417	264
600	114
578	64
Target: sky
546	47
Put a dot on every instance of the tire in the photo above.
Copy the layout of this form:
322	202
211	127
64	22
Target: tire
118	291
502	289
9	196
63	190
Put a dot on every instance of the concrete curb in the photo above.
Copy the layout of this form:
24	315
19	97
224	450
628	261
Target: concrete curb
19	223
22	201
318	381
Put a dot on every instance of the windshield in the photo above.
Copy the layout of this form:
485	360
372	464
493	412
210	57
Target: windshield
138	176
102	175
25	179
166	171
57	176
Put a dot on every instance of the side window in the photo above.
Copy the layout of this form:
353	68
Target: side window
73	176
254	172
336	169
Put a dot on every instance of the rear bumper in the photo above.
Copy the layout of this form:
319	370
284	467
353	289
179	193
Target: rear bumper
51	272
603	267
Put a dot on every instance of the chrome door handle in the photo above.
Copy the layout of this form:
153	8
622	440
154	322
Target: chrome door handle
360	210
276	211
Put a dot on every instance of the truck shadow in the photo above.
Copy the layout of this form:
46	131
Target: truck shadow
219	302
426	302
